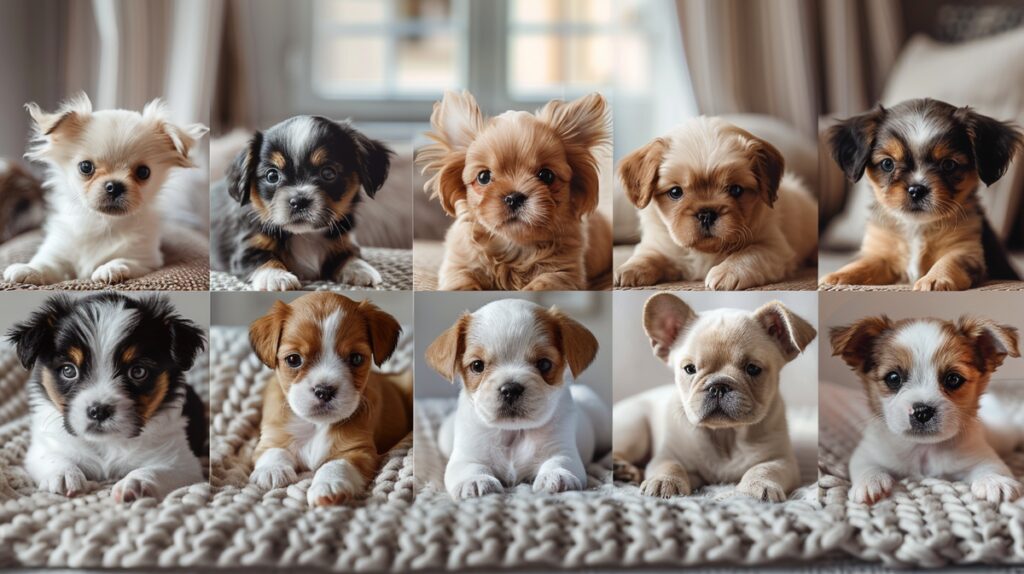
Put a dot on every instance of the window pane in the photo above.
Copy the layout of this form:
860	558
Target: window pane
423	10
354	11
543	62
425	63
594	12
352	64
590	58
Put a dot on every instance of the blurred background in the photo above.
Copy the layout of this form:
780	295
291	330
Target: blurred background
241	309
436	312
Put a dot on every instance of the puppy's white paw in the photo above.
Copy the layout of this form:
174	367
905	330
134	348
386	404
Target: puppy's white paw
556	480
665	487
360	273
872	488
996	488
23	273
933	283
271	279
135	485
273	476
111	272
68	481
336	482
762	489
476	486
726	277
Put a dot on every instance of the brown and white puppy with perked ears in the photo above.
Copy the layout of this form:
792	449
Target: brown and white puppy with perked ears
924	380
717	205
326	410
924	160
523	189
289	213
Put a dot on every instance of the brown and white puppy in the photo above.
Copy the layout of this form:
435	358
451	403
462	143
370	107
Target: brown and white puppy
924	379
22	206
326	410
523	189
723	421
716	204
924	160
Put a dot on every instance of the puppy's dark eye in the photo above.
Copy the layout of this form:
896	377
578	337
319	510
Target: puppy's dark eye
477	366
69	372
142	172
893	380
544	365
949	165
676	193
547	176
137	373
735	190
484	177
690	369
753	370
272	176
953	381
86	167
887	165
294	360
328	174
355	359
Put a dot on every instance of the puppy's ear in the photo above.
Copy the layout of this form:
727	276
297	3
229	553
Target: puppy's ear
181	138
578	344
383	330
851	140
991	341
265	333
789	330
455	122
443	355
638	172
374	162
187	340
769	166
994	142
666	318
584	126
68	118
855	343
241	176
33	337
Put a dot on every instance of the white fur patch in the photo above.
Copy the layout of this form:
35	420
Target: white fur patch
336	479
358	272
271	279
329	370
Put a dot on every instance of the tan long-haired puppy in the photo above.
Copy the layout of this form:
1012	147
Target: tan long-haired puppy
523	189
716	204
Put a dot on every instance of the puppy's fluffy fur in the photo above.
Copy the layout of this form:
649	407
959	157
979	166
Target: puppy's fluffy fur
716	204
326	410
108	395
924	160
523	189
732	425
924	379
290	208
519	418
104	171
22	206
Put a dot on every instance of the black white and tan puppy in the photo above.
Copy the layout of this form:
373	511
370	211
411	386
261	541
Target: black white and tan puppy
290	209
108	395
925	160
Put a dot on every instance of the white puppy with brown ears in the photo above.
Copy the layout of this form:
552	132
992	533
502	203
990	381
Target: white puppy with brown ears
723	421
519	418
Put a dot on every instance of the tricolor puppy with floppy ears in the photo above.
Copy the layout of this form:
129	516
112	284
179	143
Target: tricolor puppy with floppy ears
523	189
723	421
104	172
717	205
519	417
924	379
108	395
289	213
925	160
326	410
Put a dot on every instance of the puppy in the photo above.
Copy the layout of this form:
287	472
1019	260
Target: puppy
104	171
923	379
924	160
290	209
108	396
22	206
523	189
716	204
723	420
519	417
327	411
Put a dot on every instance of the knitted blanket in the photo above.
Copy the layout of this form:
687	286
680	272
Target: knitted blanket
394	265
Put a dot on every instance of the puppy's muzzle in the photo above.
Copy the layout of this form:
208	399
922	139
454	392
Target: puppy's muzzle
918	193
923	417
114	190
299	203
515	201
510	392
325	393
706	217
99	412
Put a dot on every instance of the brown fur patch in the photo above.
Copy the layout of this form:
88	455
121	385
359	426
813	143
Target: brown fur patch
129	354
50	387
572	340
150	402
444	354
318	157
76	356
277	160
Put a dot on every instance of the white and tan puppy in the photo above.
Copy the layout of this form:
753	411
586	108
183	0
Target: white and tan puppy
717	205
519	418
723	421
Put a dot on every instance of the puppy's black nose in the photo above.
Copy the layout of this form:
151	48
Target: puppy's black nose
99	412
707	217
324	393
515	200
114	189
918	192
510	391
299	202
923	413
718	390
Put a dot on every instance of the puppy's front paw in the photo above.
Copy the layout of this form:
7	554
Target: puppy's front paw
273	476
837	278
637	275
476	486
23	273
996	488
272	279
872	488
360	273
111	272
556	480
665	487
625	471
934	283
68	481
727	277
336	482
134	486
762	489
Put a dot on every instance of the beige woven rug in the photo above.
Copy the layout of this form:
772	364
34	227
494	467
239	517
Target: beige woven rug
988	286
394	265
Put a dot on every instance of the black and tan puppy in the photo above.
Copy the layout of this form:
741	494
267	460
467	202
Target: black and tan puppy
925	160
289	211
